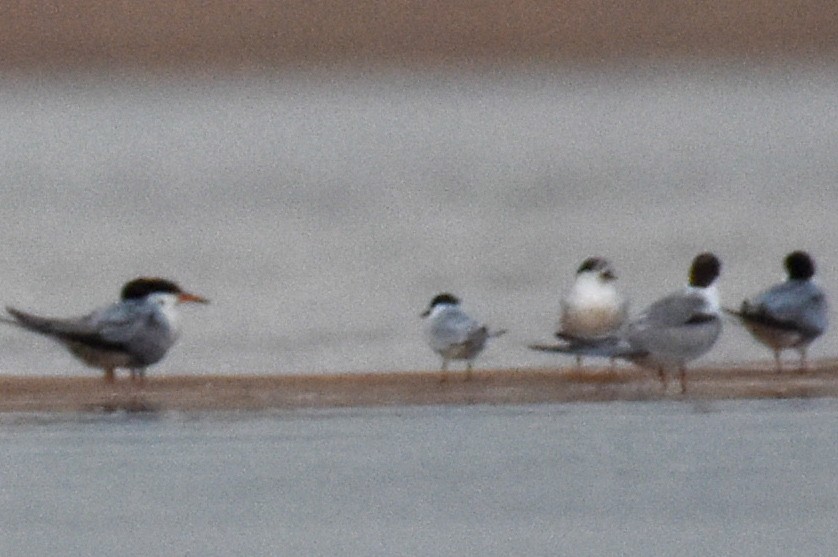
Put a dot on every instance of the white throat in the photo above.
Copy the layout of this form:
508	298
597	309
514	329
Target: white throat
590	288
165	304
710	295
440	309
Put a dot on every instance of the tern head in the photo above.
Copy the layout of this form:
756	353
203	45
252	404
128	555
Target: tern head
599	265
705	270
799	265
143	287
441	299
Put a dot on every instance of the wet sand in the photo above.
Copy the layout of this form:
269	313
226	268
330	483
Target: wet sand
502	386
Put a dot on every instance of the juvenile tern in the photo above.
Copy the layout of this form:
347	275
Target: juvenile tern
790	314
592	308
672	331
133	333
454	335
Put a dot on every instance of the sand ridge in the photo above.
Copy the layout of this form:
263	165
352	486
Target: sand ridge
501	386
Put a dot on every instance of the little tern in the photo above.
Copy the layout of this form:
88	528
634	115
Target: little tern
454	335
593	308
790	314
133	333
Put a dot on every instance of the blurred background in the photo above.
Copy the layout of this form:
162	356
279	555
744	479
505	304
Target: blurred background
321	169
216	37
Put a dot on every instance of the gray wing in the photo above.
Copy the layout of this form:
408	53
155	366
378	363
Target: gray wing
792	305
110	328
455	327
672	311
675	329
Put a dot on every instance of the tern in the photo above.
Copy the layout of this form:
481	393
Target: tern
133	333
454	335
674	330
593	308
790	314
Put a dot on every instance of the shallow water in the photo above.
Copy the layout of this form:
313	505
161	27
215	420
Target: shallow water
706	478
322	211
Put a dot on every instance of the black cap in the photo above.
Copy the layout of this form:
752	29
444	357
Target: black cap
705	270
141	287
799	265
599	264
445	298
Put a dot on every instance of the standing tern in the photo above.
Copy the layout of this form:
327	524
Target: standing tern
593	308
790	314
454	335
674	330
132	333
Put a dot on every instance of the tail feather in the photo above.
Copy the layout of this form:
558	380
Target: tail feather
587	341
759	316
497	333
64	330
29	321
604	347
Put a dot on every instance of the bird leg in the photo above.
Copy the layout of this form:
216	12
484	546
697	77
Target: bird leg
778	362
110	375
137	375
682	373
662	377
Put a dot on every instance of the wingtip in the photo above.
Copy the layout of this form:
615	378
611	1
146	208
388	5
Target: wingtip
15	316
13	311
549	348
561	335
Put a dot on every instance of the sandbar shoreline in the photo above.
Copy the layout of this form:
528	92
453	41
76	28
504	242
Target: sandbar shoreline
253	393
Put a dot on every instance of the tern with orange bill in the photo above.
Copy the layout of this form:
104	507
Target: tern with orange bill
133	333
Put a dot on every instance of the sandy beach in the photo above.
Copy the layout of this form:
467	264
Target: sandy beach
495	387
320	170
225	37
